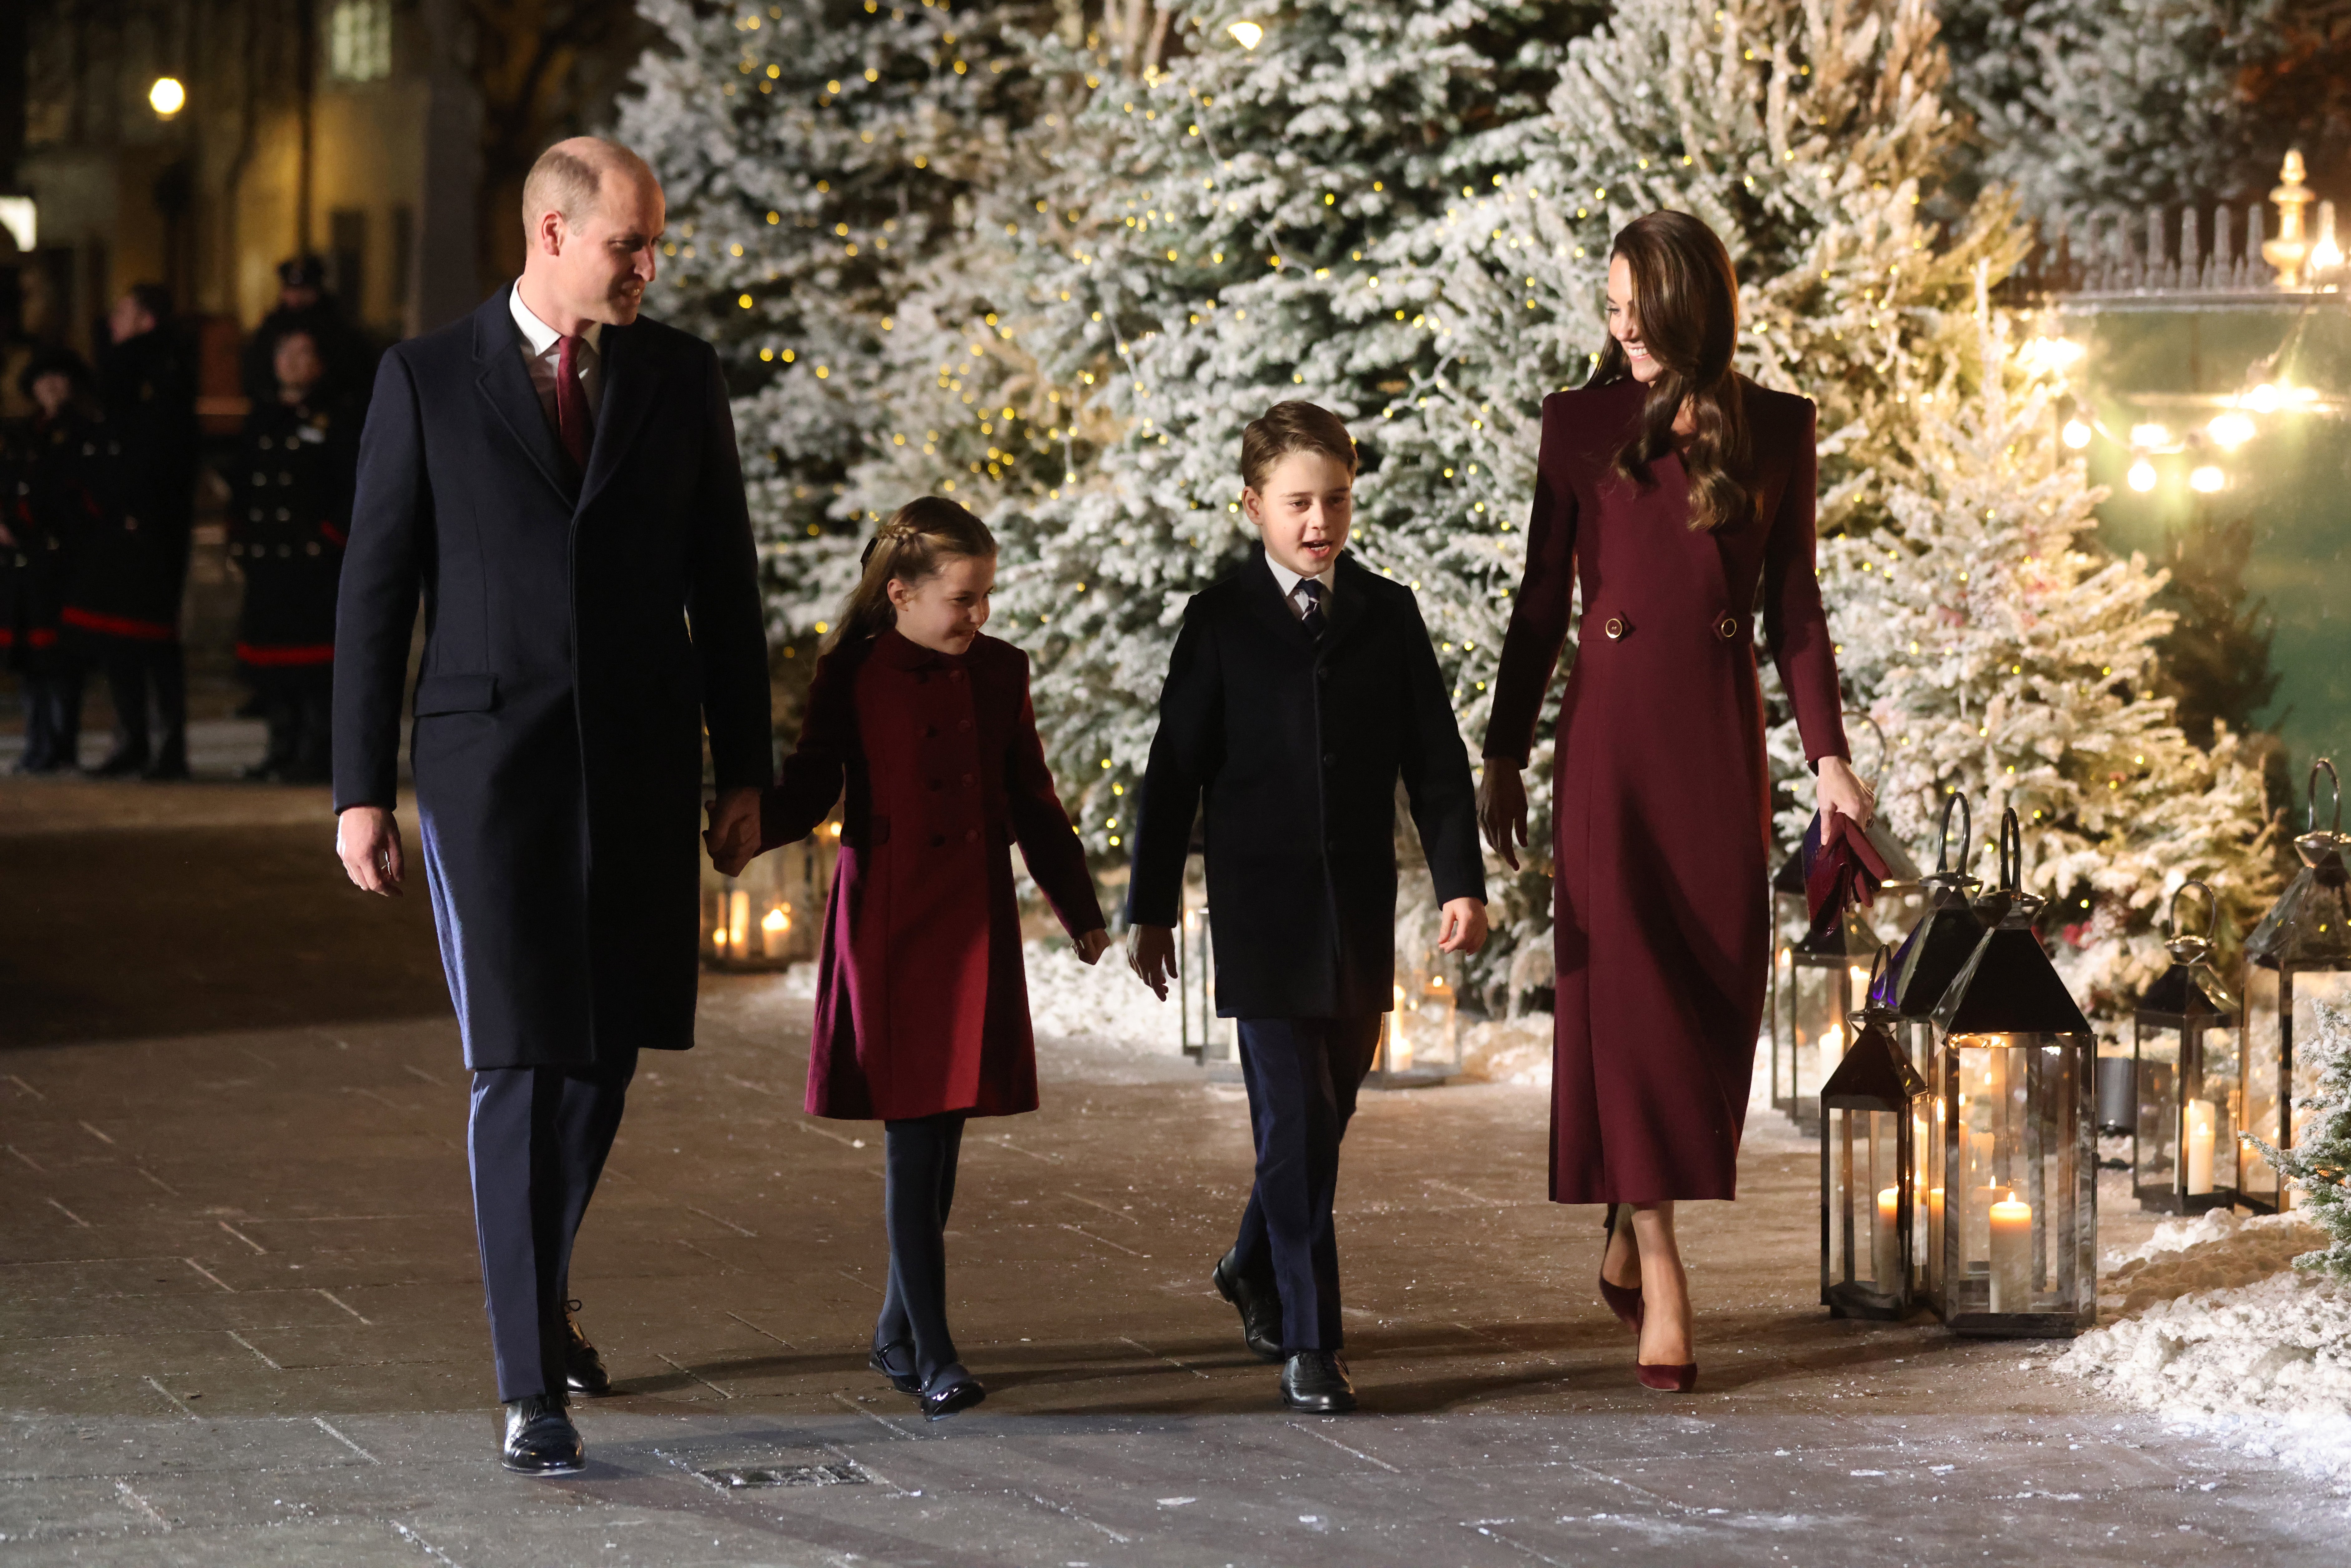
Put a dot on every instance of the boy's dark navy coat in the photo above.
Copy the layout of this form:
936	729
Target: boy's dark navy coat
1297	750
580	630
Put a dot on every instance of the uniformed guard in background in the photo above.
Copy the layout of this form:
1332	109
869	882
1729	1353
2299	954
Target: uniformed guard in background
290	514
48	497
131	568
304	304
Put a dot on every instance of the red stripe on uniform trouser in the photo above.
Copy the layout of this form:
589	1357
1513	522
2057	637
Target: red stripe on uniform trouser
39	637
334	534
272	658
118	625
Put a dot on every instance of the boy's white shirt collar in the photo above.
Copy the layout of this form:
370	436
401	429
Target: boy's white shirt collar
1288	580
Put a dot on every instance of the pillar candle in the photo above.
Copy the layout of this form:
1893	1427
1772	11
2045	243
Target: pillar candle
1399	1051
773	931
2201	1118
1885	1241
2012	1255
738	922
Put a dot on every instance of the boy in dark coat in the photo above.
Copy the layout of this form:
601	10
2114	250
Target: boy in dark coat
1301	689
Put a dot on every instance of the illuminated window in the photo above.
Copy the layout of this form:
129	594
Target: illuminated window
359	40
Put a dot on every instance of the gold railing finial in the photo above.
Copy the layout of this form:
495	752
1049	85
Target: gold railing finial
2291	249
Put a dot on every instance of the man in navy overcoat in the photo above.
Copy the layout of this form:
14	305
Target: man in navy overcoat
557	476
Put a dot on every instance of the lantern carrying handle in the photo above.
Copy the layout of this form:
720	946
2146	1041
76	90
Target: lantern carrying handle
2333	778
1884	751
2012	852
1966	832
2211	907
1877	970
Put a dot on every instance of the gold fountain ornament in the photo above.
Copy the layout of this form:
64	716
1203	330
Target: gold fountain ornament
2291	249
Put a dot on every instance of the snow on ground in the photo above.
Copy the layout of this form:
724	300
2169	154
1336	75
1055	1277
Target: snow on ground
2208	1324
1104	1006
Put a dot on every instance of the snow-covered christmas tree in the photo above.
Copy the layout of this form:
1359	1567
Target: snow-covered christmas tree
2002	653
2091	103
826	160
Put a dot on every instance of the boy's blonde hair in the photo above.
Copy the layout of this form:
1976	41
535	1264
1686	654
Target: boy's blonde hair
1288	427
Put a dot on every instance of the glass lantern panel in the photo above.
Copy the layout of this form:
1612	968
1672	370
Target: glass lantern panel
2158	1082
2208	1121
2261	1098
1865	1191
2312	986
2013	1200
1922	1139
1936	1173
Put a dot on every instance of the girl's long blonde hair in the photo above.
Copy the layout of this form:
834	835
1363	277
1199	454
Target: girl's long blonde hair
920	537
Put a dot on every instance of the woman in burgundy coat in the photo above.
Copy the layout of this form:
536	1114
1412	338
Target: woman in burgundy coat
921	1013
1675	493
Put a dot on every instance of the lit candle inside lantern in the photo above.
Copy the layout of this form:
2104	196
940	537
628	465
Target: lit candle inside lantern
773	930
738	922
1885	1242
1399	1047
2012	1255
2202	1118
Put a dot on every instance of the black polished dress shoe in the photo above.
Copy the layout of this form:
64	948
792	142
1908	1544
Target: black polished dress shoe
540	1438
583	1369
1261	1308
950	1389
1316	1380
896	1362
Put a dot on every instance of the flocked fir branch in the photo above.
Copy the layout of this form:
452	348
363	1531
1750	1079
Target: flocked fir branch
2320	1160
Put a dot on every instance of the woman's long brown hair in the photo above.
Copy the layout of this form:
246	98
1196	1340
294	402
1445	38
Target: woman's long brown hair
920	537
1686	302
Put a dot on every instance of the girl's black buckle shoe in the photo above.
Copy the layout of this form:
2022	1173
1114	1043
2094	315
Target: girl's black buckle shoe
896	1362
952	1389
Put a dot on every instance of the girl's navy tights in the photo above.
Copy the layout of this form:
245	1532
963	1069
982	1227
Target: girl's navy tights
919	1155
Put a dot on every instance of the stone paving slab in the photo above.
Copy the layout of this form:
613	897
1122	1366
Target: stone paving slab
240	1323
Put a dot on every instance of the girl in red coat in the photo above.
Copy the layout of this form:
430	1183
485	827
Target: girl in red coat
1677	496
921	1013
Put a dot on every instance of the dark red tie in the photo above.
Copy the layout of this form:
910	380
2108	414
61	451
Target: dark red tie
571	421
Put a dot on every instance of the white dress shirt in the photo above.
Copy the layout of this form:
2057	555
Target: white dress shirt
1289	581
543	351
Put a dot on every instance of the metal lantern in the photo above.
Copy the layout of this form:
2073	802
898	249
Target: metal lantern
2011	1172
1939	946
2189	1084
1826	980
1420	1038
773	915
1816	981
1875	1111
2298	956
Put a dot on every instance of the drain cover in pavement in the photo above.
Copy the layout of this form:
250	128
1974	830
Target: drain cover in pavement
841	1475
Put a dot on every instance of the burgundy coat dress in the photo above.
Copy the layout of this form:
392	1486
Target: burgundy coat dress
922	1001
1661	814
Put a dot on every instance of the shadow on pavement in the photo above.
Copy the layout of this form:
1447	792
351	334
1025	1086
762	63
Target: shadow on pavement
137	932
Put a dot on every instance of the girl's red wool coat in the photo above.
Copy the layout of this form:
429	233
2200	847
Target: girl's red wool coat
922	1000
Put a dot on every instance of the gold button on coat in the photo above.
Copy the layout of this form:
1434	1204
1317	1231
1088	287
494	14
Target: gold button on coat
1614	627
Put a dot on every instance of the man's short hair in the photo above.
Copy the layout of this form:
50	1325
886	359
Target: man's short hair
568	179
1288	427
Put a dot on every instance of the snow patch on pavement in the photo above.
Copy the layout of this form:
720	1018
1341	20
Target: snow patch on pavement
2207	1326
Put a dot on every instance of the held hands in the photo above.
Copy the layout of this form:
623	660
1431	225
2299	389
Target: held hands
1463	928
1502	817
1151	953
734	836
367	840
1092	944
1842	791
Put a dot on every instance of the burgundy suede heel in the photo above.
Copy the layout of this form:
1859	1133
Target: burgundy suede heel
1624	1301
1666	1379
